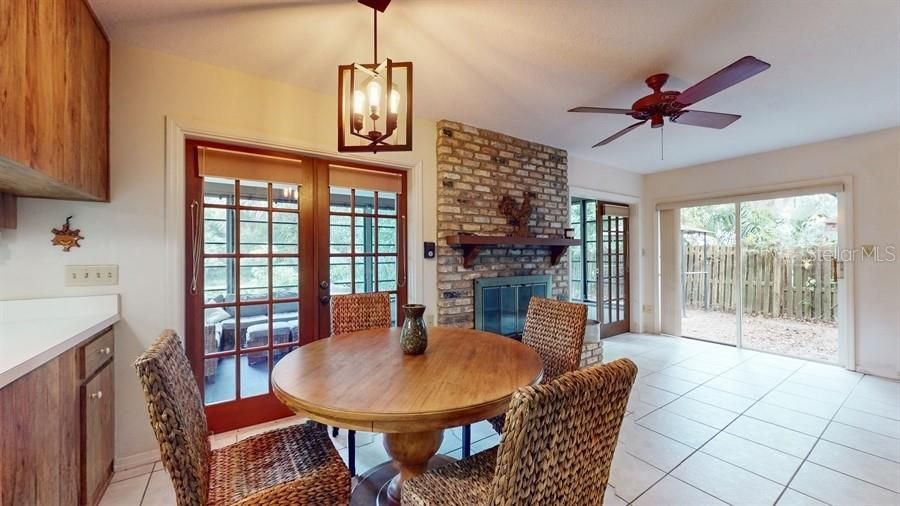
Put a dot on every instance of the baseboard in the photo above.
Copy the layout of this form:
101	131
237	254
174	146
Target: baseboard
138	459
881	372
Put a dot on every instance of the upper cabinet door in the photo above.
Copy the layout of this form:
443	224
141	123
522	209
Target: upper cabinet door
54	93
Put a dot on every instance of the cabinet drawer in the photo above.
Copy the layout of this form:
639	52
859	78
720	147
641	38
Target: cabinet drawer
97	434
95	353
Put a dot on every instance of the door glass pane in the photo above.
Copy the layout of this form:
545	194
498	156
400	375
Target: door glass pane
340	234
340	200
254	194
255	324
365	275
789	287
387	203
387	235
364	230
340	276
364	201
254	232
218	329
285	233
218	231
218	191
285	277
286	323
708	273
254	278
219	385
387	274
254	373
218	279
285	196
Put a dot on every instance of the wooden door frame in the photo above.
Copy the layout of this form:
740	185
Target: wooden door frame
240	412
314	267
624	325
323	249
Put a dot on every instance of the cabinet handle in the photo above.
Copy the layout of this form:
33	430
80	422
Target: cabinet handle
98	395
105	351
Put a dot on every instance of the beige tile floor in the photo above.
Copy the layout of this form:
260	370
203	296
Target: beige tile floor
706	425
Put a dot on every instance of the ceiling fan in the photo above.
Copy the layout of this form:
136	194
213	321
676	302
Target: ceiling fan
671	104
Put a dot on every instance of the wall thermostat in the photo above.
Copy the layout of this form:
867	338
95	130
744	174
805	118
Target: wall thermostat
429	250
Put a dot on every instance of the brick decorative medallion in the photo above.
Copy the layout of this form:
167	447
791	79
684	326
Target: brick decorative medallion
475	169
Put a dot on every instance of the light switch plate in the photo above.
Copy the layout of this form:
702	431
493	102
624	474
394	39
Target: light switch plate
92	275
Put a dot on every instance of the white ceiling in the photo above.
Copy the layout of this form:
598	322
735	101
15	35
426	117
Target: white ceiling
516	66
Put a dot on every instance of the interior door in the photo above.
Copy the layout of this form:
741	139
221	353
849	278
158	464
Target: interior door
613	277
366	247
251	296
270	237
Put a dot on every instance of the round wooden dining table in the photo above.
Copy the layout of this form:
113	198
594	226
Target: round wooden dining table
363	381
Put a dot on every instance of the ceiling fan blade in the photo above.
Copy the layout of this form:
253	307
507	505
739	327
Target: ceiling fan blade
743	69
605	110
618	134
379	5
705	119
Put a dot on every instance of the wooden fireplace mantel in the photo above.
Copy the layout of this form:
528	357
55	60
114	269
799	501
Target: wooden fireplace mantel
472	244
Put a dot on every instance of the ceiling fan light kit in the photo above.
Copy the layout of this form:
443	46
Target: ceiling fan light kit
671	104
375	100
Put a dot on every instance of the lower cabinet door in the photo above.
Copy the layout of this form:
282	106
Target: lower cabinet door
98	434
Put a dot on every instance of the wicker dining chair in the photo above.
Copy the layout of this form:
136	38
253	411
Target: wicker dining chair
557	446
352	313
292	465
555	329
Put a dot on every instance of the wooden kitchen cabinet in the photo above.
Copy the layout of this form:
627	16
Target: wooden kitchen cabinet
97	443
54	94
57	429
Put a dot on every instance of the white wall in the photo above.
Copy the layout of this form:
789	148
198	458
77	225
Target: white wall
146	88
873	162
591	179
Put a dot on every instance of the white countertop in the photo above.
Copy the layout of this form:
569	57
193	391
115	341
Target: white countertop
33	332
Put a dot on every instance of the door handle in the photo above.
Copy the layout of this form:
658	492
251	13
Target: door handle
324	299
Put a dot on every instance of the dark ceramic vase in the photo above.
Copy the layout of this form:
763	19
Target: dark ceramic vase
414	336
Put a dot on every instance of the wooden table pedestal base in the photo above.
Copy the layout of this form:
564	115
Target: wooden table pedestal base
413	454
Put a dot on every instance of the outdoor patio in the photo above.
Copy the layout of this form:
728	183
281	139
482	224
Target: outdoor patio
797	338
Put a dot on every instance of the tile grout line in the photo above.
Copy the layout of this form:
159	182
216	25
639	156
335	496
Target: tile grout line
819	438
698	449
695	450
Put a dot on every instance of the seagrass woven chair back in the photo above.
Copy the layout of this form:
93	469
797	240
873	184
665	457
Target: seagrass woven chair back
555	329
360	311
177	417
559	438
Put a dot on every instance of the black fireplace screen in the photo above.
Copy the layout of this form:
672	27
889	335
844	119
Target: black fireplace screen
502	303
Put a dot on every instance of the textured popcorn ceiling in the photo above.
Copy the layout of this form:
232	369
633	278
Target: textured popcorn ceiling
516	66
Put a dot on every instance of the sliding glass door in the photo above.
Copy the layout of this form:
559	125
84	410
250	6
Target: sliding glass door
709	273
790	280
763	274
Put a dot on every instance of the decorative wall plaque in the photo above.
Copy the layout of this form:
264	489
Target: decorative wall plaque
66	237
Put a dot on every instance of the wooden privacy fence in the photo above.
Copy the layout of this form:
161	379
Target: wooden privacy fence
777	283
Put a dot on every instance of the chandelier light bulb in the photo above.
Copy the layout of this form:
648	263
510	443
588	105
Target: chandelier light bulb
394	102
359	102
373	92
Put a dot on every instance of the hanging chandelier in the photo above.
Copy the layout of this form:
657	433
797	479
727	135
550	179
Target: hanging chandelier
375	100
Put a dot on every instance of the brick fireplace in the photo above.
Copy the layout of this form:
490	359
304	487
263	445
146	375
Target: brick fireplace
475	169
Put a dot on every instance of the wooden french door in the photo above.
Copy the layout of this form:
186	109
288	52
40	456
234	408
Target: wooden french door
265	250
613	307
